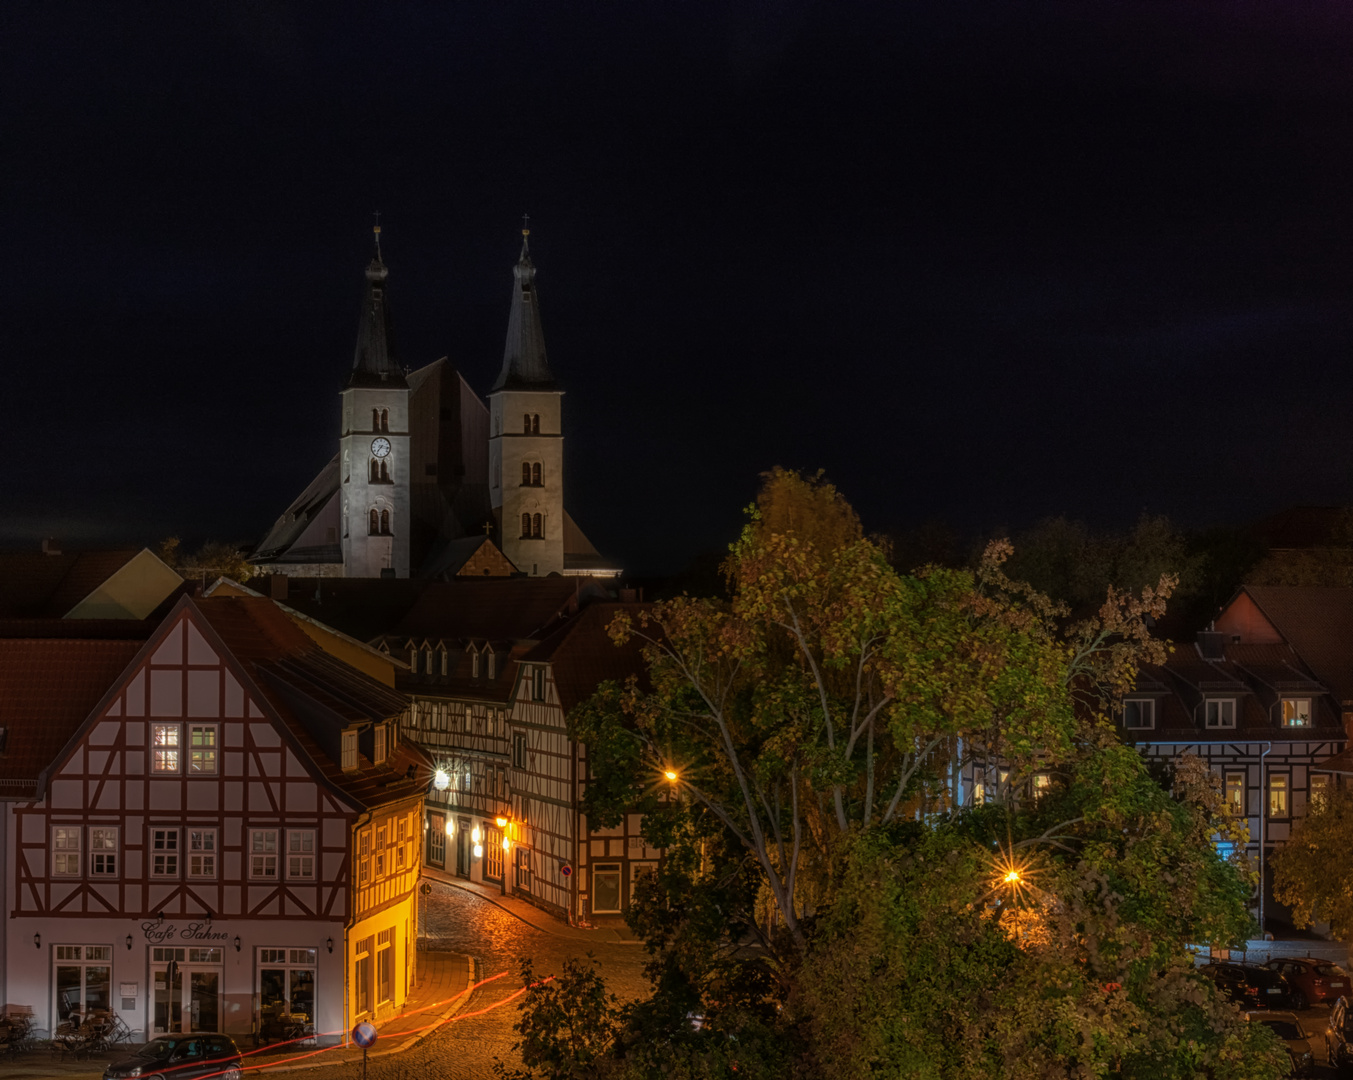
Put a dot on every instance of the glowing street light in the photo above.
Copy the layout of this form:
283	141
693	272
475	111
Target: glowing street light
441	780
672	775
500	822
1013	878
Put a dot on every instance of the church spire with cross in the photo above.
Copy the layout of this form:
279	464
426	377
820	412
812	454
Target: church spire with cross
373	361
524	363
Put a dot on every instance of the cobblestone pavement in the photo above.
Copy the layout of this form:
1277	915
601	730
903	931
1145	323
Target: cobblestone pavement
457	921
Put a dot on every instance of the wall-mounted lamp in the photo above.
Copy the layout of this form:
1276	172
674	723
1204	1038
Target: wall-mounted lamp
476	835
450	827
479	851
329	944
500	822
441	780
507	844
129	942
237	942
37	941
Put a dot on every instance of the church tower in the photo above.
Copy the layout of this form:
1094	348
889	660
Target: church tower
526	438
374	443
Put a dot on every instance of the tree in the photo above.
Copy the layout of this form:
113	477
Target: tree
213	559
1311	872
816	725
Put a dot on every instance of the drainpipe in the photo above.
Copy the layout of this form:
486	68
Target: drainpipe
1263	827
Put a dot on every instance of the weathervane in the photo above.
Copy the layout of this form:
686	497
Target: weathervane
376	229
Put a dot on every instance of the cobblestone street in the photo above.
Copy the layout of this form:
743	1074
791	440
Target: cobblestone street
457	921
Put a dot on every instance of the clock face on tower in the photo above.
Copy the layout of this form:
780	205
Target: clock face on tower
380	447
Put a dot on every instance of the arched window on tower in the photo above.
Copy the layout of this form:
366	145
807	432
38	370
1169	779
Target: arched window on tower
385	471
385	419
525	473
375	470
526	423
385	522
375	420
535	423
526	526
535	527
375	522
535	473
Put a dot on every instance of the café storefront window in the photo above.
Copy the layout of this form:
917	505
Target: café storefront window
83	980
286	992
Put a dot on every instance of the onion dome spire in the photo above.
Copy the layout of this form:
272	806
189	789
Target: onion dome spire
524	364
373	362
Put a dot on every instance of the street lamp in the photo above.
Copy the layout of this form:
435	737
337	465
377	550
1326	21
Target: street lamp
672	776
441	780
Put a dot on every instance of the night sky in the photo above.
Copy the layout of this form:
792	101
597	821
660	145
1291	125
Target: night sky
980	261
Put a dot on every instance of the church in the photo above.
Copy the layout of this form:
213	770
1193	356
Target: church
428	480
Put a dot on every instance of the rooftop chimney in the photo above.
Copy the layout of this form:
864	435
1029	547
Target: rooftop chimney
50	547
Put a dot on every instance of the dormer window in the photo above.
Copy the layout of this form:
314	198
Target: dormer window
349	750
427	659
413	659
493	664
1220	713
442	650
379	753
474	663
1139	714
1296	712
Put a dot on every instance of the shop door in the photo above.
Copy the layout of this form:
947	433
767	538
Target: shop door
187	990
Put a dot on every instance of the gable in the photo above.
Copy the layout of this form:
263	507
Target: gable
133	591
1242	618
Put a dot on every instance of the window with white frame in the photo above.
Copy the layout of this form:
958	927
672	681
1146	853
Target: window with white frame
103	850
363	856
66	850
164	853
301	853
202	853
378	755
1278	795
349	750
1220	713
263	854
380	852
1235	792
1296	712
493	664
202	748
1139	713
164	748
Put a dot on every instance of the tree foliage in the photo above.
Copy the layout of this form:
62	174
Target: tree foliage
212	560
1311	872
829	905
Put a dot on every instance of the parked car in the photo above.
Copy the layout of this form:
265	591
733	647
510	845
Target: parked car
180	1057
1251	985
1288	1027
1312	980
1339	1038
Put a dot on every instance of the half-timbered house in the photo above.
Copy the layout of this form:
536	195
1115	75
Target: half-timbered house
491	709
228	838
1265	699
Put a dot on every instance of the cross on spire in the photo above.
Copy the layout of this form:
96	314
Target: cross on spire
376	231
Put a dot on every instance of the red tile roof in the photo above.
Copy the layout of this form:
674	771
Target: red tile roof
582	654
1317	622
48	687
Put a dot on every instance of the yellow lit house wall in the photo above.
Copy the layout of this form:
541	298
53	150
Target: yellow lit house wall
387	856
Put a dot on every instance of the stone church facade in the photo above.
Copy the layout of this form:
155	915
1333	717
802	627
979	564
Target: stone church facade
425	469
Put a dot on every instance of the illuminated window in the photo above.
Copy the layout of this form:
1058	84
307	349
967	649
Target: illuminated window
202	748
1139	713
1235	792
164	748
979	793
263	854
164	852
1296	712
1221	714
1277	795
1042	784
103	851
202	853
66	850
1318	794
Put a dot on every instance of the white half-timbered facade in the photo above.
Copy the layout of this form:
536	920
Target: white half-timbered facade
230	841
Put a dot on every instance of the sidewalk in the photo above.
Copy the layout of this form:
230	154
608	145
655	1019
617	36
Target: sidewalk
444	983
531	915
